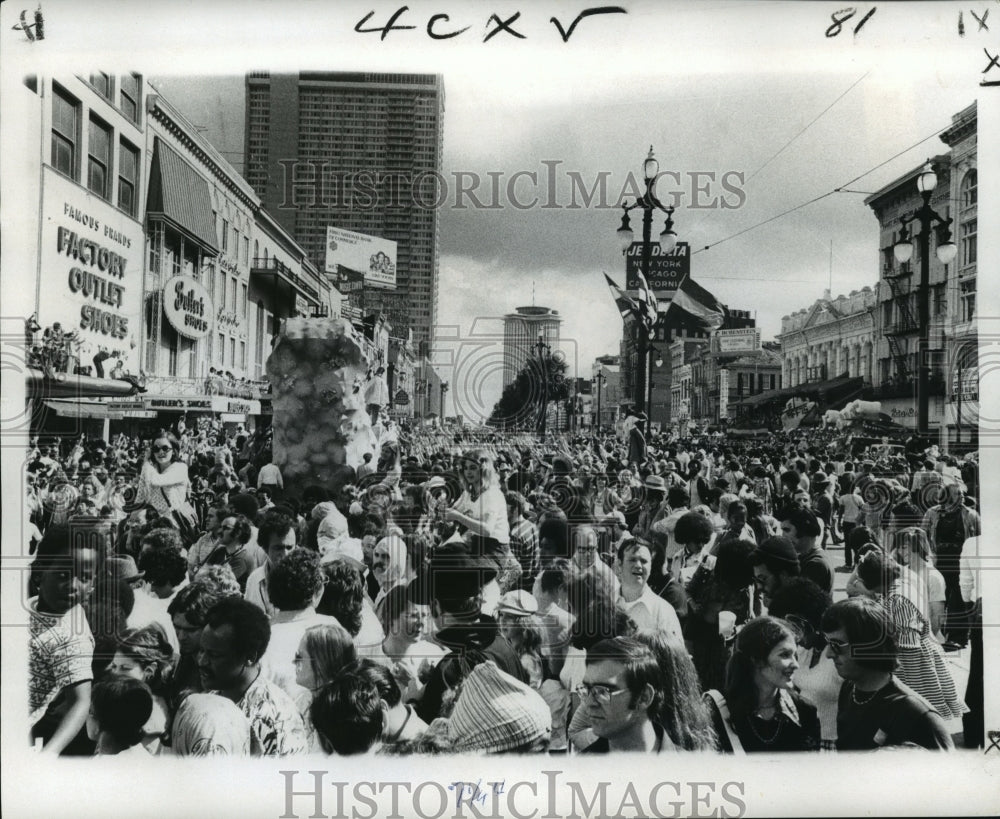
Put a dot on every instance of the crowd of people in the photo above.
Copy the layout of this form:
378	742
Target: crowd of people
482	591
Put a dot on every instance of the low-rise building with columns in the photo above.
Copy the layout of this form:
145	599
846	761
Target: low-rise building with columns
831	338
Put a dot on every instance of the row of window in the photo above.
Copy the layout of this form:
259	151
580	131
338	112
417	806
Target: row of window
129	91
241	252
102	161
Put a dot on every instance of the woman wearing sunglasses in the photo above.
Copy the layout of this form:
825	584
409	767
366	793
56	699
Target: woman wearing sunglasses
163	482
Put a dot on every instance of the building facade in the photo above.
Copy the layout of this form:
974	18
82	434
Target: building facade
521	332
606	390
359	151
832	337
961	326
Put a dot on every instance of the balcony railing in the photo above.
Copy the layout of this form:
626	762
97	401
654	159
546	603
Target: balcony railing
212	385
901	324
907	388
270	266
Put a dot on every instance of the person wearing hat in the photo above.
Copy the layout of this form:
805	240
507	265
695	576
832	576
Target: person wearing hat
452	584
636	440
803	528
948	526
653	505
517	615
497	713
774	562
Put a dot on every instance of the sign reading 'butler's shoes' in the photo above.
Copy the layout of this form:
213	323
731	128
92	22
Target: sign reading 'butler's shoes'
188	307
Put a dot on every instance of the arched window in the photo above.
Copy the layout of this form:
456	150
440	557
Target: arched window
968	194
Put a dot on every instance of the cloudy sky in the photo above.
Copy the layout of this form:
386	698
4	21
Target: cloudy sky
755	89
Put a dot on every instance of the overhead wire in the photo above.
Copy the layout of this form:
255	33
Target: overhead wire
838	189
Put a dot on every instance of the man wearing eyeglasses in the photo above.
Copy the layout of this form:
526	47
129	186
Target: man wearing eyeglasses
622	693
874	709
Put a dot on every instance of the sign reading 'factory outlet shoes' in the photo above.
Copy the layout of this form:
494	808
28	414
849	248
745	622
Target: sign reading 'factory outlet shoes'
188	307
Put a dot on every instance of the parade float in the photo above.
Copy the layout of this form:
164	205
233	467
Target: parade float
317	370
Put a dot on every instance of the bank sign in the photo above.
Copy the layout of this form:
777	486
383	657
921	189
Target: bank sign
90	276
666	271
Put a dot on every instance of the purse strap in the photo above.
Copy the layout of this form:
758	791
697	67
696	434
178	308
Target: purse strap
715	696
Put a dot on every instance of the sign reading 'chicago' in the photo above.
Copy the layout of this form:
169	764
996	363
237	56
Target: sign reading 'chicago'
666	270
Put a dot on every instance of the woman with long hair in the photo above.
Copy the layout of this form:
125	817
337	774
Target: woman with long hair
684	714
760	709
163	481
481	509
323	652
919	580
146	654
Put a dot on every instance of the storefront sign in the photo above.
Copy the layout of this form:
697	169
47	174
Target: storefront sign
744	341
90	261
214	403
402	398
665	270
188	307
301	305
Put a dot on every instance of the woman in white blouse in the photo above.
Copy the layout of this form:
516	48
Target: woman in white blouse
164	481
481	509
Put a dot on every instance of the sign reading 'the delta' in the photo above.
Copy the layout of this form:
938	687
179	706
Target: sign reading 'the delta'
188	307
666	270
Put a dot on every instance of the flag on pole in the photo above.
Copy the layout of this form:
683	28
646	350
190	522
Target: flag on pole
648	306
696	300
625	303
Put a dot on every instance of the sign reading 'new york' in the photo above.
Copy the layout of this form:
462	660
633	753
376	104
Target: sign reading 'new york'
666	271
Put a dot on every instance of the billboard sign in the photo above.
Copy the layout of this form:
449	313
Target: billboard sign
666	271
371	256
744	341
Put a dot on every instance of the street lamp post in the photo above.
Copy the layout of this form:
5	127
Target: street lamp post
668	241
649	395
542	347
903	251
599	378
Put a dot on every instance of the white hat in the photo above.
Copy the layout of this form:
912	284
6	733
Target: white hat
347	549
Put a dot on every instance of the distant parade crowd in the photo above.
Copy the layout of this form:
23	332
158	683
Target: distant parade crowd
473	590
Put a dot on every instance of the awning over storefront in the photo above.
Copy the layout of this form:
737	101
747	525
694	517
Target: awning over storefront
39	385
823	392
179	195
79	409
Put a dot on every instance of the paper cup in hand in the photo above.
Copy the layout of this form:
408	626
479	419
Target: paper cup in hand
727	623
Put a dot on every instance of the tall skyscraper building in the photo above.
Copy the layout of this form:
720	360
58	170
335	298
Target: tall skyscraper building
359	151
521	330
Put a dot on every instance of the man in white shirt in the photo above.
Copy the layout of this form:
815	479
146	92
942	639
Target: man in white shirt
277	538
270	475
649	611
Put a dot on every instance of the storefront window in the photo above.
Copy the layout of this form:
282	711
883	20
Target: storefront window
99	158
65	132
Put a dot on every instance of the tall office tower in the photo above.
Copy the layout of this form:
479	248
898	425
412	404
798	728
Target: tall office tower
359	151
521	330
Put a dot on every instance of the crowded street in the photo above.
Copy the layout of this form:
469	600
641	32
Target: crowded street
409	404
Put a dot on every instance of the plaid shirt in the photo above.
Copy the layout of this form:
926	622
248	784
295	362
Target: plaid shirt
524	545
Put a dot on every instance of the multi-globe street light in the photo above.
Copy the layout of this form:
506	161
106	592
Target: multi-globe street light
903	251
668	241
